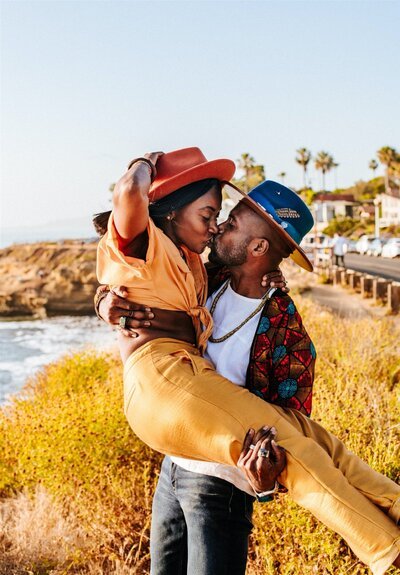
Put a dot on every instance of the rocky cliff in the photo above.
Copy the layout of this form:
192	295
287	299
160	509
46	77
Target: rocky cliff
47	279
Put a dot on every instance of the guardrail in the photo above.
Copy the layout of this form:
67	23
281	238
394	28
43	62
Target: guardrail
380	290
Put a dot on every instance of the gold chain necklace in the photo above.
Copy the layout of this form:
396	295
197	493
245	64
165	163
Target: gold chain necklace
265	297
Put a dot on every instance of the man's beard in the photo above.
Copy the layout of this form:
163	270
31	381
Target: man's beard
230	257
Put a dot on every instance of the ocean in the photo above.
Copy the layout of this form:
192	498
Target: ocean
26	346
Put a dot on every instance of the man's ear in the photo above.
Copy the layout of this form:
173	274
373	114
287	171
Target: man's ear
259	247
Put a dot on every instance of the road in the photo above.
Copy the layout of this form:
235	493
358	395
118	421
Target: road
377	266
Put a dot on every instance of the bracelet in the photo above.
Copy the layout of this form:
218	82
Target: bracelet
101	293
266	495
152	167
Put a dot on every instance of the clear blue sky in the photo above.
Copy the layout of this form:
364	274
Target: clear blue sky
86	86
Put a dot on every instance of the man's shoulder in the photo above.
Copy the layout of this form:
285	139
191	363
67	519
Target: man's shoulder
280	312
280	303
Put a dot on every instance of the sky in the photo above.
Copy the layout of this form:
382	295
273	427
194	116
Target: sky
88	85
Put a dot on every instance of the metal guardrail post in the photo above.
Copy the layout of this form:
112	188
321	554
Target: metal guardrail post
379	289
393	293
366	286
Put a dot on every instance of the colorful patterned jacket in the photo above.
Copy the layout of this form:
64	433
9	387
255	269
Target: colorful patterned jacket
282	357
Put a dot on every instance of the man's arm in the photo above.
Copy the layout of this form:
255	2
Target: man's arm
282	363
110	306
139	320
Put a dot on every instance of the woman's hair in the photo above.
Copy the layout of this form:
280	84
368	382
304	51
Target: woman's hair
100	222
160	209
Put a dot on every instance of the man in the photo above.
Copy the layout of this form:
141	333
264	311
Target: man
339	245
202	511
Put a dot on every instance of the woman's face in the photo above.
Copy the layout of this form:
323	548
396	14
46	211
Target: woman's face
195	224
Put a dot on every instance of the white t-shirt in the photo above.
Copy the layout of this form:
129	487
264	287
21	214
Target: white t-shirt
339	246
231	359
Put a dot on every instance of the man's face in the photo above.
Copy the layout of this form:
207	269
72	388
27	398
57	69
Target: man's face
229	246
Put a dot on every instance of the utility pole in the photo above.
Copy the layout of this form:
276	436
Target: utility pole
377	202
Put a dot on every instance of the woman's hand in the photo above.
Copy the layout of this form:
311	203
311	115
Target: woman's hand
275	279
261	459
153	156
115	305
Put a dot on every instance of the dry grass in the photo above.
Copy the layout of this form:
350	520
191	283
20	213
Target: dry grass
35	533
91	515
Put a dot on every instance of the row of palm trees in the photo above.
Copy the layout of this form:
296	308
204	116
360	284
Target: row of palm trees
323	162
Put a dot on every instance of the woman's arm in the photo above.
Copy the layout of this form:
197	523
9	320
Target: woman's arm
131	202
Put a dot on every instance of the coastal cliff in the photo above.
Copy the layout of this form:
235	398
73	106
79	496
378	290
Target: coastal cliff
48	278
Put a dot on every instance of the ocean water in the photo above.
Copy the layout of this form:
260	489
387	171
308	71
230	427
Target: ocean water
26	346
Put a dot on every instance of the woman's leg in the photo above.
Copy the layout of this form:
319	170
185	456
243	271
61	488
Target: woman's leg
378	488
177	403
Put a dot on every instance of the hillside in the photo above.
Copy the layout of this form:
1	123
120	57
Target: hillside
47	278
76	484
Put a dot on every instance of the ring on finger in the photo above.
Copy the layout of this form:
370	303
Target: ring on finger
263	452
252	447
122	322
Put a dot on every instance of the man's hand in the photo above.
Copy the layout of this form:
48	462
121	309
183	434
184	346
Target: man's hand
115	305
261	459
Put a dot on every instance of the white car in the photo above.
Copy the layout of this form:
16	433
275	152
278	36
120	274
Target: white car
350	247
375	247
363	244
391	249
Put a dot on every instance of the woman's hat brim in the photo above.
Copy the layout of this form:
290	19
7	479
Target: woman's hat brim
221	170
298	255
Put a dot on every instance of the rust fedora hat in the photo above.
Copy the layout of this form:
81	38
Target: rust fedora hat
182	167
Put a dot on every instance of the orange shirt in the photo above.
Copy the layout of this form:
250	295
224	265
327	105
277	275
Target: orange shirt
164	280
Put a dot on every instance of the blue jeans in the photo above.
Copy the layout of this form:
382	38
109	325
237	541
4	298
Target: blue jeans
200	524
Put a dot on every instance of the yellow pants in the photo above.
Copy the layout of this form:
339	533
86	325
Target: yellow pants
178	404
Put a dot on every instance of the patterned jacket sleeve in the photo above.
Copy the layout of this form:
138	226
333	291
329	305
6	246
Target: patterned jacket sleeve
282	361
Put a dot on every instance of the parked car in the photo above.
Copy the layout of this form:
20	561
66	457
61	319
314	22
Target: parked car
363	244
317	247
350	247
392	248
311	241
375	247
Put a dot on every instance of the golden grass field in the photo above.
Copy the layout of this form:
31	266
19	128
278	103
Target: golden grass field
76	485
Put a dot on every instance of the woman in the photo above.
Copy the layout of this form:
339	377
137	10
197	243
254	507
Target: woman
174	400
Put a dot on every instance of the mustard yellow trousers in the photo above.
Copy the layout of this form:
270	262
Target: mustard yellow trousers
178	404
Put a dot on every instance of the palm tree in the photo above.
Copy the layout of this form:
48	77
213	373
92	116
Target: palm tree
373	165
246	163
388	157
253	173
324	162
282	175
303	158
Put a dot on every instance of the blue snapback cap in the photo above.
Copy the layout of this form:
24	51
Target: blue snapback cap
285	211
